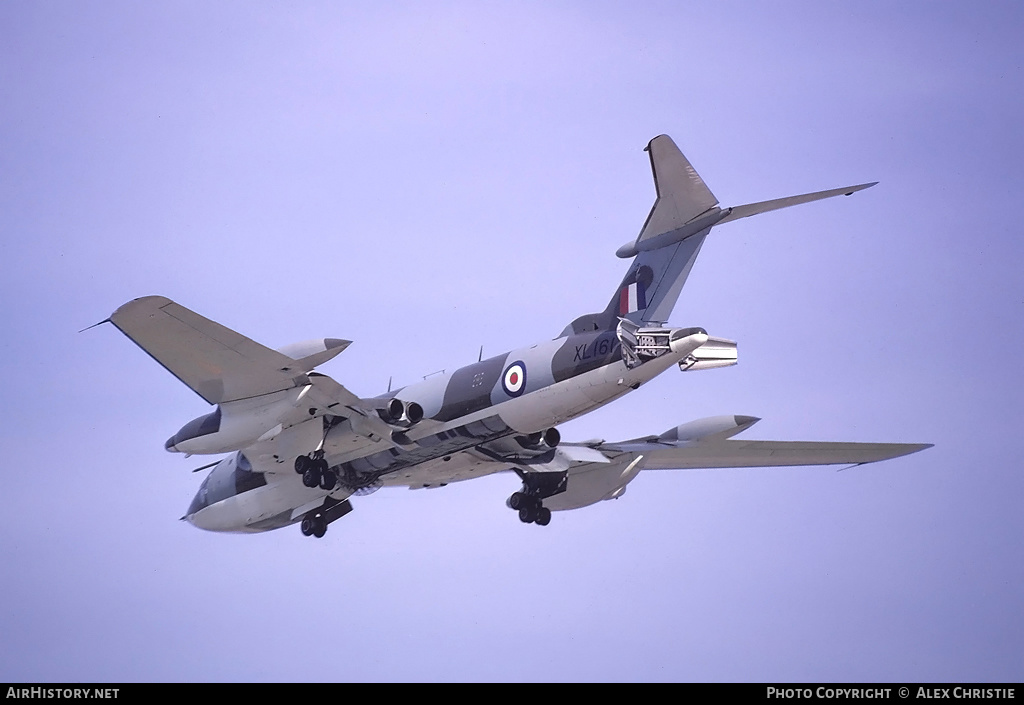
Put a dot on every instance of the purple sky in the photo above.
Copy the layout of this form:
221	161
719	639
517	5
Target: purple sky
427	178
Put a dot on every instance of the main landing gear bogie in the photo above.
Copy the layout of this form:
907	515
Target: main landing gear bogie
537	486
531	509
315	472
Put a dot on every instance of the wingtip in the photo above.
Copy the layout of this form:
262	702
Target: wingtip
859	187
911	448
153	301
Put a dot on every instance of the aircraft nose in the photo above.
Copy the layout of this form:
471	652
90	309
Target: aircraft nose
169	445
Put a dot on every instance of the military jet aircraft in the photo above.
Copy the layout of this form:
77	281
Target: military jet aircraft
300	444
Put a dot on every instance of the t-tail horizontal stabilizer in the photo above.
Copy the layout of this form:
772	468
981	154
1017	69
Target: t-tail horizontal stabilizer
737	212
685	205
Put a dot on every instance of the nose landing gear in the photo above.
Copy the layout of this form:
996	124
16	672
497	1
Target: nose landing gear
315	521
313	525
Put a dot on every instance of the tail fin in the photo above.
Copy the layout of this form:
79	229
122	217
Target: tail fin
682	194
670	240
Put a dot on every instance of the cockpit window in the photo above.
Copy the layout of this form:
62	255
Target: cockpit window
200	500
230	477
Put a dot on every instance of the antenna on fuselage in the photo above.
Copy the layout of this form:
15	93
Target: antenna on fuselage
389	383
480	357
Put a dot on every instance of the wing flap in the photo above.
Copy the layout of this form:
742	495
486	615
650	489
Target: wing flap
591	483
214	361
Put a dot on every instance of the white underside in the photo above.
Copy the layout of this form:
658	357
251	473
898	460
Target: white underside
542	409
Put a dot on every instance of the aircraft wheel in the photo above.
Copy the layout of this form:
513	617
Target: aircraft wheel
319	527
517	501
311	478
302	464
306	526
527	515
321	465
543	516
328	480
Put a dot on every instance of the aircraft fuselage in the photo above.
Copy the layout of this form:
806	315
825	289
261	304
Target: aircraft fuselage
520	392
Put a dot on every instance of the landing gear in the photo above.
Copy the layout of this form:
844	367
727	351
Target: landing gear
314	460
531	509
533	512
311	478
315	472
313	525
315	521
537	486
328	479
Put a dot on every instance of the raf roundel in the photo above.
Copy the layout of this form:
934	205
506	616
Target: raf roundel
513	380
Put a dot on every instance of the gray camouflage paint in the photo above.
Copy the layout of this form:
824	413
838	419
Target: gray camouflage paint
668	268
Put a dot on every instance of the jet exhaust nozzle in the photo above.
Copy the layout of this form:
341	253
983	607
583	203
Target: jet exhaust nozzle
548	438
401	413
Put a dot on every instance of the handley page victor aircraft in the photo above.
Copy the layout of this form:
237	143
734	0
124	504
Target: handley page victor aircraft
301	444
